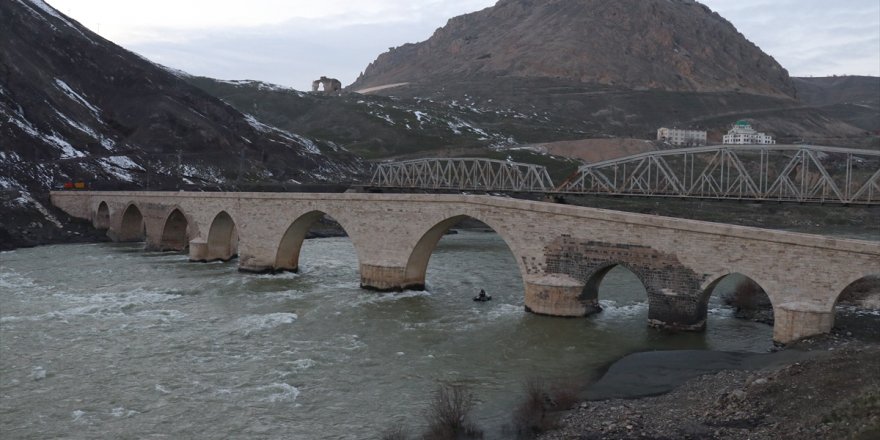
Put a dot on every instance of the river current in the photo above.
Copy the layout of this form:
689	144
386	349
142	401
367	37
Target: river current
109	341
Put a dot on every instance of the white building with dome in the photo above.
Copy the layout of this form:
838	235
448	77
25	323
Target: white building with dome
742	133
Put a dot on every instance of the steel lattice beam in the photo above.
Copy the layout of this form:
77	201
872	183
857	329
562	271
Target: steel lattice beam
795	173
463	174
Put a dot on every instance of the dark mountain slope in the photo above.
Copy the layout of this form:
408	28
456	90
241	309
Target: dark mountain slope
673	45
381	127
839	89
854	99
75	106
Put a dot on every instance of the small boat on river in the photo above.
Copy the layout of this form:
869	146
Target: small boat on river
482	297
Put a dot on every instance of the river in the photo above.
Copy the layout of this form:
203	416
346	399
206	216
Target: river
109	341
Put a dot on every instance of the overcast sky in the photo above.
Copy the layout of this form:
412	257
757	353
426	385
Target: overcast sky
292	42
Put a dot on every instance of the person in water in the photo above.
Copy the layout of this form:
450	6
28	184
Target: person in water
482	296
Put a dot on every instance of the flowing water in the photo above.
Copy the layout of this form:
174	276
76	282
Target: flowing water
108	341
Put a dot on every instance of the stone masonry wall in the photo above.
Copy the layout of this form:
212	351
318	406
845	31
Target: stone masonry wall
674	291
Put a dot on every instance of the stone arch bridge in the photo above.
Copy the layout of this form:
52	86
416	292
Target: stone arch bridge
562	251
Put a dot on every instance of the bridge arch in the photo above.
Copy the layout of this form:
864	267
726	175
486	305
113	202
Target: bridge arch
287	255
857	300
222	238
748	296
590	293
420	256
853	288
102	216
175	235
131	227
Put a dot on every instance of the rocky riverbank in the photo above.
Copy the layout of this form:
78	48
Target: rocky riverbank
821	388
26	221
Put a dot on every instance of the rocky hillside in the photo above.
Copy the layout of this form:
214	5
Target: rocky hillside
74	106
597	69
669	45
854	99
379	127
839	90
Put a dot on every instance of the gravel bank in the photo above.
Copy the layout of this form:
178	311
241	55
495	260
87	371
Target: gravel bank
823	388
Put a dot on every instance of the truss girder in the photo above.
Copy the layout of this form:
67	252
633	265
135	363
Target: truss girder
793	173
463	174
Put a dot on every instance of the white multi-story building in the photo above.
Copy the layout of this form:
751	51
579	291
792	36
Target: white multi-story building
680	137
742	133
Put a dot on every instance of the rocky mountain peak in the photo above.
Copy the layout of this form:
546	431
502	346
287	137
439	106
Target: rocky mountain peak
671	45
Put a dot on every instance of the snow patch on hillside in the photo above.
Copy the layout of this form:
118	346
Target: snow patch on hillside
203	173
19	121
457	125
9	157
25	200
9	183
119	166
262	86
79	126
48	9
176	72
307	143
43	6
67	150
124	162
77	97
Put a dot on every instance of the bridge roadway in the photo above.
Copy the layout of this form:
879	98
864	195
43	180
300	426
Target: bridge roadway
562	251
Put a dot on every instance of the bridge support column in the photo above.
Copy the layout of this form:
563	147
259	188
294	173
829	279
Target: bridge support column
198	250
155	245
798	320
668	310
201	252
559	295
254	258
386	278
253	264
113	235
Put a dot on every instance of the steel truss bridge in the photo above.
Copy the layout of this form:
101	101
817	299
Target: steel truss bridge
793	173
463	174
785	173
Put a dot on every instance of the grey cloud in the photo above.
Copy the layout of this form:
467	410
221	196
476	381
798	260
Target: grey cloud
811	37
